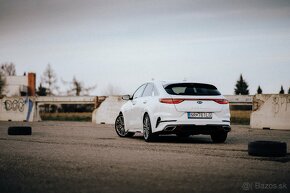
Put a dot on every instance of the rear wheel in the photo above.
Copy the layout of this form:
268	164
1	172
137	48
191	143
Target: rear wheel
147	130
219	137
120	127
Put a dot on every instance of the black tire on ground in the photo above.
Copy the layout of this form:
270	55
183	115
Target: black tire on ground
20	130
219	137
120	127
267	148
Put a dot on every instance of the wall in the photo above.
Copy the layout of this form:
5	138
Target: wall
239	98
108	110
17	85
18	109
271	111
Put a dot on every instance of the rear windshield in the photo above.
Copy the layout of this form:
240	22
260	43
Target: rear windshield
191	89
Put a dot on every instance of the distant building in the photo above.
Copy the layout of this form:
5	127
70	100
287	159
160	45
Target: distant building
21	85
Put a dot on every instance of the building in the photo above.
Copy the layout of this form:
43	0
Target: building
20	85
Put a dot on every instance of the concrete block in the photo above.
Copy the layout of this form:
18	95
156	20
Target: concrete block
18	109
108	110
271	111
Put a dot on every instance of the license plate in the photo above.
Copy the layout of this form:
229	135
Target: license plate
199	115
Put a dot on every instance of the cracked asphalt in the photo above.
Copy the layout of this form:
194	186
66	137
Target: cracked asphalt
74	157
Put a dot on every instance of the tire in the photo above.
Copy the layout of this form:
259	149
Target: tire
23	130
267	148
120	127
219	137
147	129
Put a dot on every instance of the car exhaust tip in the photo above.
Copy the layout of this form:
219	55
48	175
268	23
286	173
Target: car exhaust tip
169	128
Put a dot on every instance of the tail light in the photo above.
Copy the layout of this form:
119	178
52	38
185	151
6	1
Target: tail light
171	101
221	101
177	101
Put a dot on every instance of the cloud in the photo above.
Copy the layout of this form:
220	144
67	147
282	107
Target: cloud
201	37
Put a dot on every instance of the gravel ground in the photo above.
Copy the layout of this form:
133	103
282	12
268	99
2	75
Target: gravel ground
84	157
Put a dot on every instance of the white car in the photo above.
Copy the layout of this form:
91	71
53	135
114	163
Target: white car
181	108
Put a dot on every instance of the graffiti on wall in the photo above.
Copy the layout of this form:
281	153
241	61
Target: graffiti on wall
280	103
14	105
17	105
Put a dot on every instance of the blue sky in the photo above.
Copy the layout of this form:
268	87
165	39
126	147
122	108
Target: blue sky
125	43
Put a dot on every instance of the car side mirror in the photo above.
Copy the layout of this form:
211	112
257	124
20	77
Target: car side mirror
126	97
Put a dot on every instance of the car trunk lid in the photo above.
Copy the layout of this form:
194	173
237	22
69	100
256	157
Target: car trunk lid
198	103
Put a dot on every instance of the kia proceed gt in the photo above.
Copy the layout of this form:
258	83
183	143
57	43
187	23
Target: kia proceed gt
181	108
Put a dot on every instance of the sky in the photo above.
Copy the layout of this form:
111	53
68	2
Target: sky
121	44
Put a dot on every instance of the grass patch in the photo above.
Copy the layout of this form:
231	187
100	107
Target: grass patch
240	117
87	116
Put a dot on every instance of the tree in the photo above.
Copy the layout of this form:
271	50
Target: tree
112	90
241	87
259	90
41	91
289	90
282	90
49	80
8	69
2	82
78	88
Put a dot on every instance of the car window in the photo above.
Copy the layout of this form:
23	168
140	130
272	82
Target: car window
148	90
138	93
191	89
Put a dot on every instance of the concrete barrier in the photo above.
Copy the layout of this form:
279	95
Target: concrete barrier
240	102
19	109
239	99
271	111
108	110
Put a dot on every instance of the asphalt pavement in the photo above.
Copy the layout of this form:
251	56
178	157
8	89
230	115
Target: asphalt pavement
76	157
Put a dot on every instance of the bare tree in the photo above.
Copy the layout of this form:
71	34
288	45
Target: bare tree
49	81
112	90
77	88
8	69
2	82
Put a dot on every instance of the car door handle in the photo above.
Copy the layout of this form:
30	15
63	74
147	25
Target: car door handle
134	103
144	102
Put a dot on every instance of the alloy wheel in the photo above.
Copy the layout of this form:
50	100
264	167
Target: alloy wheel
119	126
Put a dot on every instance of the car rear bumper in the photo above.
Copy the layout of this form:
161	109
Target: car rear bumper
194	129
